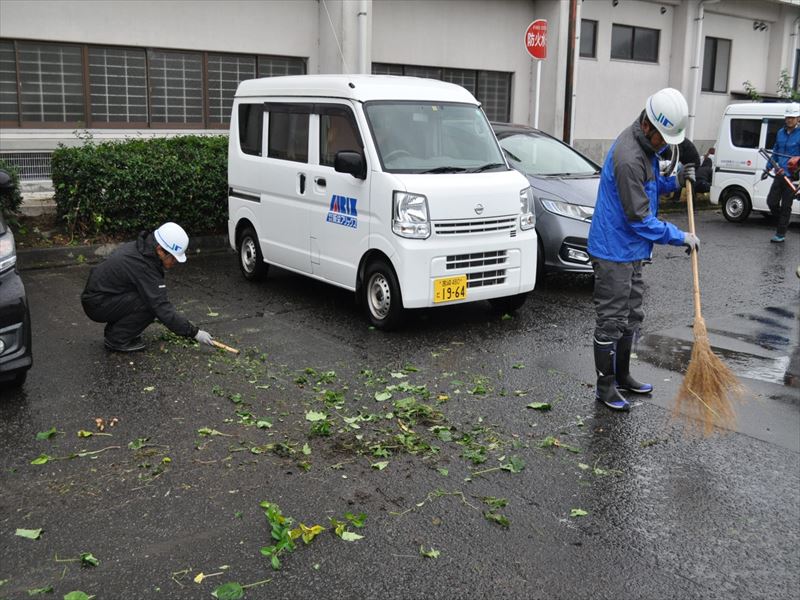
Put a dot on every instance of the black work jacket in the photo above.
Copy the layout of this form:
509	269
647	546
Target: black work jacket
135	266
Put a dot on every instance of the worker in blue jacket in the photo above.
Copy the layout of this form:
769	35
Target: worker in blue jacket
623	231
781	196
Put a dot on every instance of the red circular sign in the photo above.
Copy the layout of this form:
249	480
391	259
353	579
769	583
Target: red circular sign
536	39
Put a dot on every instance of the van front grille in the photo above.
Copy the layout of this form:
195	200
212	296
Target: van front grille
477	259
471	226
485	278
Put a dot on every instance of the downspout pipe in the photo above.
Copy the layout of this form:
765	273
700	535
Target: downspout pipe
363	63
570	78
698	51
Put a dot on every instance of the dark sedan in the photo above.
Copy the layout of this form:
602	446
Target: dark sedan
565	184
15	317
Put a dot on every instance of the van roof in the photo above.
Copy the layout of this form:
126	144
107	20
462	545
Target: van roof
775	109
361	88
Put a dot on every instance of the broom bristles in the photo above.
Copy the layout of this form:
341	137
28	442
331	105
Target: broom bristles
705	396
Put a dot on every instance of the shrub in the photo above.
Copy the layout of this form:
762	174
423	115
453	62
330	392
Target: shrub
122	187
10	200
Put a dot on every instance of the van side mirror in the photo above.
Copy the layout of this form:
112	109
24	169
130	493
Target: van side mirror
347	161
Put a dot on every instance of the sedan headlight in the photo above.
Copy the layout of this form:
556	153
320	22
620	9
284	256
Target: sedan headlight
527	209
8	253
571	211
410	215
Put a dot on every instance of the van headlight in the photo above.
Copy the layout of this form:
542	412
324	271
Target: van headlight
527	209
565	209
8	253
410	215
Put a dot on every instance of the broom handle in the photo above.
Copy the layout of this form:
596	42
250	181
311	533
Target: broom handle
695	264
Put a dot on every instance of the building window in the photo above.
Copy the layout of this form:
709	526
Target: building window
275	66
176	87
634	43
288	135
50	83
251	127
716	60
9	111
491	88
225	72
118	85
588	38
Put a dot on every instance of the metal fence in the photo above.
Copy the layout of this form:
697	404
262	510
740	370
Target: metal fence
32	166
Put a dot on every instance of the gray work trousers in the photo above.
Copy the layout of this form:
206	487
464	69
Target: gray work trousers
618	291
125	316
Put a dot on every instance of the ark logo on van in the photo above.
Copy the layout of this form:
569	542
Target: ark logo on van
343	211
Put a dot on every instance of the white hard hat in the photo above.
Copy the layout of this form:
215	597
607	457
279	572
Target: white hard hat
172	238
792	110
668	112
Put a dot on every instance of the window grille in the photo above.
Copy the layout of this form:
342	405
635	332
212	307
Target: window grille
8	83
51	82
274	66
118	85
225	72
176	84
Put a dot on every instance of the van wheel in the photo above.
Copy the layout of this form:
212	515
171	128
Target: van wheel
381	295
736	206
251	262
508	304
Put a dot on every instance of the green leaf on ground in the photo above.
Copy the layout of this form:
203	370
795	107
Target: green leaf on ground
442	471
229	591
514	465
314	416
306	449
382	396
42	590
495	503
138	443
42	459
432	553
380	465
77	595
356	520
539	406
518	366
84	434
578	512
206	431
88	560
46	435
494	517
31	534
349	536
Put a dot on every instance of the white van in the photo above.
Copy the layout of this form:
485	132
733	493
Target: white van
393	187
737	184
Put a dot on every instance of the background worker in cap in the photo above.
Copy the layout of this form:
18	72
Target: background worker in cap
127	291
781	196
623	230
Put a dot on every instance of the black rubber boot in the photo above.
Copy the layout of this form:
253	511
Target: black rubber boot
606	392
622	368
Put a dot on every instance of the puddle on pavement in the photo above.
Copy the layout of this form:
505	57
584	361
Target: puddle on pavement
778	334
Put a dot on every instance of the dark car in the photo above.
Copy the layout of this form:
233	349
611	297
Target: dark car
15	317
564	184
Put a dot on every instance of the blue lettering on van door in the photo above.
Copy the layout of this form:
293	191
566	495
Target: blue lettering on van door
343	211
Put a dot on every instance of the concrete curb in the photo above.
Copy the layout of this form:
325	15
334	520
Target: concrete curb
64	256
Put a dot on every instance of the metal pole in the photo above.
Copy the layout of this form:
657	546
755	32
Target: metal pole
538	86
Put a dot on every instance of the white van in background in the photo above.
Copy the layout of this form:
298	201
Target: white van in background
393	187
737	184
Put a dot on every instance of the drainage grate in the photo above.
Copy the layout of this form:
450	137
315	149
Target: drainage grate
32	166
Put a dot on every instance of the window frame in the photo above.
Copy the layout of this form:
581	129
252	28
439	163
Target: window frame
632	49
713	65
595	27
289	108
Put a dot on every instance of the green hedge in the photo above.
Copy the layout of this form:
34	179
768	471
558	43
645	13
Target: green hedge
120	188
10	201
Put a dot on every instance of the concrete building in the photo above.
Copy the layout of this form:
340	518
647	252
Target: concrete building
164	67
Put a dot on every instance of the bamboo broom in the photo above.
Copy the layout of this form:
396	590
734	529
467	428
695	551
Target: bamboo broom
708	386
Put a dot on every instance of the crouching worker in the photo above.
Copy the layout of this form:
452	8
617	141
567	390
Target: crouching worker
127	291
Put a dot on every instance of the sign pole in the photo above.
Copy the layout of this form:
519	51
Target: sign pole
538	82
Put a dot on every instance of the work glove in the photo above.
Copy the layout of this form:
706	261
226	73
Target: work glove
692	242
686	172
205	338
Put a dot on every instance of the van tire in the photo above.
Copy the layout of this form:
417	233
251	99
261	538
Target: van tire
736	206
381	295
251	261
508	304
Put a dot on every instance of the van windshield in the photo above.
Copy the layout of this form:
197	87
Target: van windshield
426	137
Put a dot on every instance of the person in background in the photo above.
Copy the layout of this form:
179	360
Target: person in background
781	196
623	230
705	172
127	291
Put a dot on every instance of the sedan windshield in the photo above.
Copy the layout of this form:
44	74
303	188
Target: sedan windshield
539	155
425	137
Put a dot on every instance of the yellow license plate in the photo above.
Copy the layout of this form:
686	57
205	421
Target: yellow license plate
449	289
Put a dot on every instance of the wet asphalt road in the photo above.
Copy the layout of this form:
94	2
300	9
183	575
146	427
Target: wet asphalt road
157	502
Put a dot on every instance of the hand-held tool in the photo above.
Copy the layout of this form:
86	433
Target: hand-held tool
225	347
